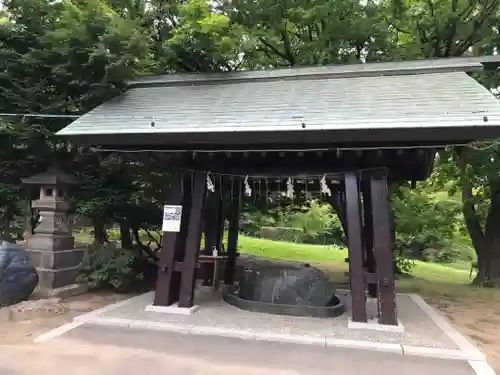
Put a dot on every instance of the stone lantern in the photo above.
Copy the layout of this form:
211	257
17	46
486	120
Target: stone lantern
51	247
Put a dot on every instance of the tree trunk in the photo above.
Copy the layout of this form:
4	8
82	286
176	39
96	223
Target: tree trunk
488	262
488	253
100	236
486	242
125	237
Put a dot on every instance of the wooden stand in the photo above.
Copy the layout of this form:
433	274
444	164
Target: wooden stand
217	262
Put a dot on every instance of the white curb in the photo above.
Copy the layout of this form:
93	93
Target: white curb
56	332
481	368
460	340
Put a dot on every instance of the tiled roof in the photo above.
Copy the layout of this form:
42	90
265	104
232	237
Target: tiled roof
451	99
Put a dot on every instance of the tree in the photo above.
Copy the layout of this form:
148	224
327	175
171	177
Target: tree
61	58
474	172
66	57
441	28
299	32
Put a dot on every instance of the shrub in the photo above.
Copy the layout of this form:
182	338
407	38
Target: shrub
118	269
311	222
430	255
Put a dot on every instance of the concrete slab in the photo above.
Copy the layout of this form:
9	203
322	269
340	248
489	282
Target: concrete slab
174	309
440	320
113	351
425	334
374	325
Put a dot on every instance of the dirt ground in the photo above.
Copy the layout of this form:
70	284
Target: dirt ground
21	323
478	319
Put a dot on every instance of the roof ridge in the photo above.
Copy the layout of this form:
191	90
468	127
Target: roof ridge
441	65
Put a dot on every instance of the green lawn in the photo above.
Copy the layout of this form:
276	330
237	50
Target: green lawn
290	251
429	279
330	254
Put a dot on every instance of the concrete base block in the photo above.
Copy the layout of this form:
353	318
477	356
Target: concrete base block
50	242
57	270
374	325
173	309
56	278
62	292
56	259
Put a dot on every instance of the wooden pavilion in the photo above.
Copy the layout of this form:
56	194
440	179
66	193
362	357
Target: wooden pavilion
361	126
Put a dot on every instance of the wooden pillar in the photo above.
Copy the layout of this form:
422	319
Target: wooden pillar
167	285
193	241
383	249
210	229
210	224
356	271
368	236
180	245
233	231
220	221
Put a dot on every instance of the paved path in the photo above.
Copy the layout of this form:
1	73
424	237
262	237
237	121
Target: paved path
105	351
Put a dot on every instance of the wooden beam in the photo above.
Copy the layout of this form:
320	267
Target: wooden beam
408	167
356	271
209	224
234	222
181	238
220	220
186	296
210	230
167	289
382	247
368	236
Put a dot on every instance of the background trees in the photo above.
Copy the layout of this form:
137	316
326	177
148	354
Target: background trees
65	57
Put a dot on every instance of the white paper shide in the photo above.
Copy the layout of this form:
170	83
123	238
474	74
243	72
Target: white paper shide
171	218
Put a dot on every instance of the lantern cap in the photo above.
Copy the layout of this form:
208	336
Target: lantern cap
53	176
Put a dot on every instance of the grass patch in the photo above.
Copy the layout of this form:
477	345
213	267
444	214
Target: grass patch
432	272
431	280
290	250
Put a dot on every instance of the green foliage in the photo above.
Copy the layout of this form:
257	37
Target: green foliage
307	222
66	57
111	268
205	39
425	226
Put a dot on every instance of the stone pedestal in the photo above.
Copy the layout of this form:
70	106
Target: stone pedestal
51	247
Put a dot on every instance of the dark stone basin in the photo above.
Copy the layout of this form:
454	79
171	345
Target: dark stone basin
283	288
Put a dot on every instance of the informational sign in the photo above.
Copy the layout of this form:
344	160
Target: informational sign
171	218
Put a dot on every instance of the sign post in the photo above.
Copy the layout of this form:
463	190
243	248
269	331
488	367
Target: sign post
171	218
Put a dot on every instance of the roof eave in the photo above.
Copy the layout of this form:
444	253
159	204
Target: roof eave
308	139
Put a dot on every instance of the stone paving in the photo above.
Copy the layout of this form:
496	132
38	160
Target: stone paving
422	335
420	330
97	350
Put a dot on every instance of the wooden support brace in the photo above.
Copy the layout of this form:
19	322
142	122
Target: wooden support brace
383	249
210	229
167	289
368	235
220	219
232	240
356	271
193	241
